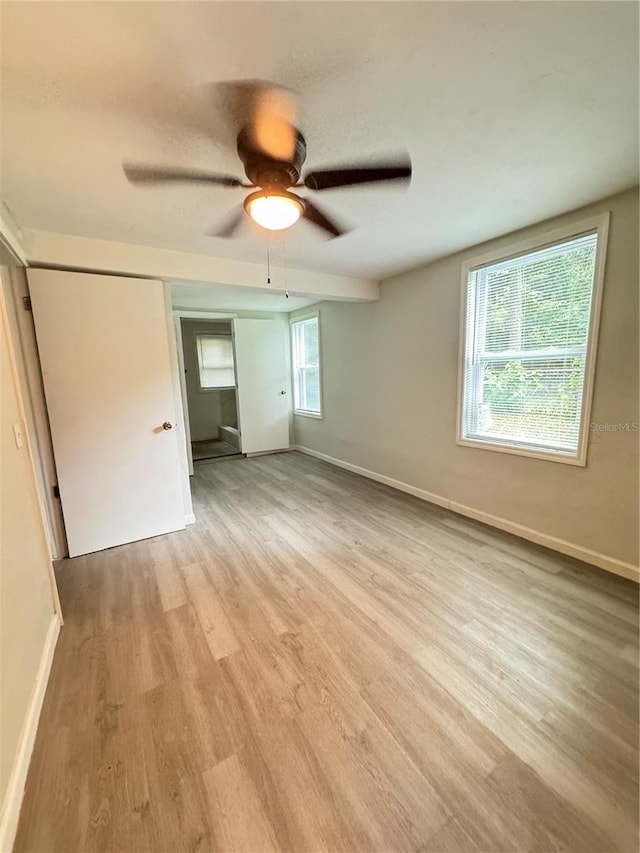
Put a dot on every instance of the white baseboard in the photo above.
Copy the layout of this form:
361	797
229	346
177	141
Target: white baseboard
18	778
251	455
594	558
189	518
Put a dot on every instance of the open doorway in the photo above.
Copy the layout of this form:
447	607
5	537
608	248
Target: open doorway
214	350
210	383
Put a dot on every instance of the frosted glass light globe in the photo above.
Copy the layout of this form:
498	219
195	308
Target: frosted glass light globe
274	212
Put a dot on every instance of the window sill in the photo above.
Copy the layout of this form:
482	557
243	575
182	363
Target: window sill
545	455
220	388
317	415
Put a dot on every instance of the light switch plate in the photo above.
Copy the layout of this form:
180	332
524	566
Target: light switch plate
19	435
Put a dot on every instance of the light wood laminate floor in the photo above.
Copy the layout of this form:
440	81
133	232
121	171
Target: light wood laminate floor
212	449
322	663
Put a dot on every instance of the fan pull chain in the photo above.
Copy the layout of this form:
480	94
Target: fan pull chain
284	257
268	262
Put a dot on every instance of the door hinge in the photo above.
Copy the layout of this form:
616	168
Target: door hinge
26	303
56	491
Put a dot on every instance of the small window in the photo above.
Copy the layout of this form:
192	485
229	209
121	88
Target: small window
215	362
305	344
530	330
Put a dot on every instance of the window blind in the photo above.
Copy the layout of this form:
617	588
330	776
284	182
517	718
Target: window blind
215	361
306	365
526	337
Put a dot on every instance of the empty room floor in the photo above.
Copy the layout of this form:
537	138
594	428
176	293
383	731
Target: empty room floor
212	449
322	663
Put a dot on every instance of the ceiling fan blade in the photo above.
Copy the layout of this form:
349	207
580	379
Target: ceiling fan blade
229	226
267	109
274	122
315	215
326	179
162	175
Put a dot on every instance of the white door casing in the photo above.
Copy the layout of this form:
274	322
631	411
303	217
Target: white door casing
262	385
104	352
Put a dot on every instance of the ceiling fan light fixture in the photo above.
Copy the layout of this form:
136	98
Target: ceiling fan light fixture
274	210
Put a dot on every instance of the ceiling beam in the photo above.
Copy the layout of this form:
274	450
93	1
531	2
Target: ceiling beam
64	251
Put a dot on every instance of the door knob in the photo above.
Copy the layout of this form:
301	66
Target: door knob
283	393
167	425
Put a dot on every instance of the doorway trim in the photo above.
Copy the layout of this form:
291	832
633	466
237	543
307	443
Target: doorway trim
20	322
180	314
18	391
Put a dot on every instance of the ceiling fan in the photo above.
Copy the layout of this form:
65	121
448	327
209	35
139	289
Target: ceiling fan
272	151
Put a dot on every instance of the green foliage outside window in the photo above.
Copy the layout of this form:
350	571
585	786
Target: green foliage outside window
541	306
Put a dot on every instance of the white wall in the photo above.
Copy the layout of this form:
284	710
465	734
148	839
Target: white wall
27	616
390	385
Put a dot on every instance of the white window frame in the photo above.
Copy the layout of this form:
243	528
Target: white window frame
596	224
200	334
300	319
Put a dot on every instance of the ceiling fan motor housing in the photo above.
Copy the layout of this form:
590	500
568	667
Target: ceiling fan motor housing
267	172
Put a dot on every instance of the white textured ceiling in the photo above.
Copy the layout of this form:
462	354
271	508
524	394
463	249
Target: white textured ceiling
219	297
511	112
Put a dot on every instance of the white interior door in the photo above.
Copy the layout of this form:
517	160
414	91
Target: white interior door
104	352
262	380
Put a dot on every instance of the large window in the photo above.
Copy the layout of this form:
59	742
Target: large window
215	361
305	345
530	330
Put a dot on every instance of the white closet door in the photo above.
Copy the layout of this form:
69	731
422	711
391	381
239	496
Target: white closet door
104	352
262	380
